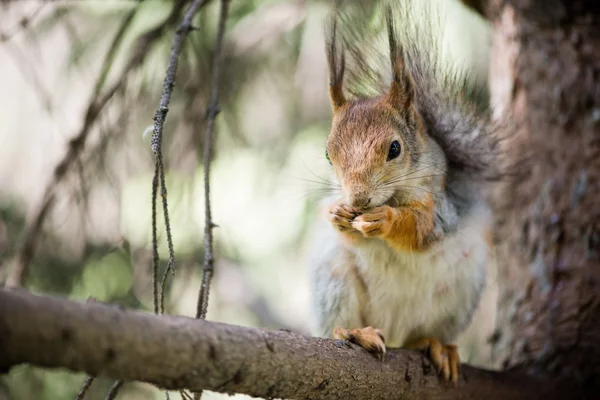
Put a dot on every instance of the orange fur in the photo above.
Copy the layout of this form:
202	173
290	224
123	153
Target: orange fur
444	357
411	225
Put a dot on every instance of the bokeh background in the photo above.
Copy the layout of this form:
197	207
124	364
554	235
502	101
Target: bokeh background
269	158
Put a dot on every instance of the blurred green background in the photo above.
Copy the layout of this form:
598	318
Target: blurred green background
275	117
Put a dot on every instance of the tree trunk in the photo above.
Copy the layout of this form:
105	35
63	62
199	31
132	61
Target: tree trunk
545	73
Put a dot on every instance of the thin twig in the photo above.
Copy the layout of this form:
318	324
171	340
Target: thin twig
114	390
155	240
159	174
211	114
84	388
185	395
163	107
171	264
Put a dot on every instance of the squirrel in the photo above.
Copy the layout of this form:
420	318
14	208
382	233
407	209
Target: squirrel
400	258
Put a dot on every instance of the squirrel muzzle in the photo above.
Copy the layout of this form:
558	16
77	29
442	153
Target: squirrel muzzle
358	200
358	192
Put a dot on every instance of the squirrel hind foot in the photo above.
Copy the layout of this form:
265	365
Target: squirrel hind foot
369	338
444	356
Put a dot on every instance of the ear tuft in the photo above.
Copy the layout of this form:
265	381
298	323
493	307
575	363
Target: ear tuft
401	92
337	66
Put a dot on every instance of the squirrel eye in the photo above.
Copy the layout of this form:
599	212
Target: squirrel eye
394	150
327	157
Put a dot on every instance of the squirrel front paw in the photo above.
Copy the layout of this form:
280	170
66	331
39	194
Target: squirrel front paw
369	338
341	216
374	222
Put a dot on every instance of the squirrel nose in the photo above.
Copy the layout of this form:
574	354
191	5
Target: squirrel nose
359	201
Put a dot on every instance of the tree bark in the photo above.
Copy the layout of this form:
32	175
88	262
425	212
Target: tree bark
178	352
545	74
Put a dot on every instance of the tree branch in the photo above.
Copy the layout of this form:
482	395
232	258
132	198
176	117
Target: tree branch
177	352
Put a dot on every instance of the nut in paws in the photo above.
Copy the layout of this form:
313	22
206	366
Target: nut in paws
375	222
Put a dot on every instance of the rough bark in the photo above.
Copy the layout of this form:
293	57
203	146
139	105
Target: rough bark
545	72
179	352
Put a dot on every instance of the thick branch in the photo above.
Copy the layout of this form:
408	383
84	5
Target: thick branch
177	352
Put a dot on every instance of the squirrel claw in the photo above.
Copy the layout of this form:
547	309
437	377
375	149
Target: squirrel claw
341	216
343	343
444	357
368	338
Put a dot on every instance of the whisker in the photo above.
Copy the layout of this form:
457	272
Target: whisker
423	168
317	193
411	172
315	175
419	188
322	183
391	181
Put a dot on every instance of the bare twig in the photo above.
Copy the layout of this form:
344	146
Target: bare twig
114	390
211	114
175	353
163	194
155	257
84	388
163	107
159	174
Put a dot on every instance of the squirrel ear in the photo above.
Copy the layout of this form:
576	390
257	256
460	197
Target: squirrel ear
401	91
337	66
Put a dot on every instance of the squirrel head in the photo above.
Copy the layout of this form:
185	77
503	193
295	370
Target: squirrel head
375	142
372	145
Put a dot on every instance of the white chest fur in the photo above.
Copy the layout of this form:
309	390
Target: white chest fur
414	295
